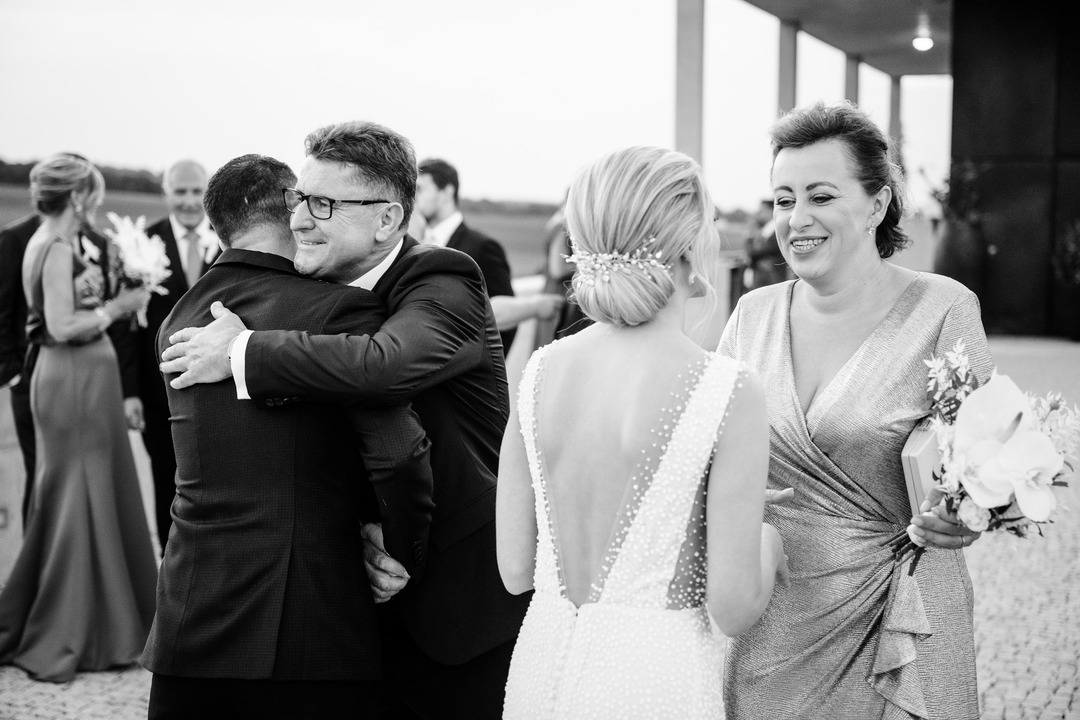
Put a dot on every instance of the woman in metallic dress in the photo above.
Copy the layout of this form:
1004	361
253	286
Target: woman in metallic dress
840	350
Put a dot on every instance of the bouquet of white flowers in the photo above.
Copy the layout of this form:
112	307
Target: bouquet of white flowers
143	261
1001	451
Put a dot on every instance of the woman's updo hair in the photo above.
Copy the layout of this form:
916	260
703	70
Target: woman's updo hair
647	203
869	151
54	179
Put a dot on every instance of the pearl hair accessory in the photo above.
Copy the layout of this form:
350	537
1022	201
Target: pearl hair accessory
591	265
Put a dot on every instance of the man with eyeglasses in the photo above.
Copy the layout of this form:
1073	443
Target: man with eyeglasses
448	637
263	607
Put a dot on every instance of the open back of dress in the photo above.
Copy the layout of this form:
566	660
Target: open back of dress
641	645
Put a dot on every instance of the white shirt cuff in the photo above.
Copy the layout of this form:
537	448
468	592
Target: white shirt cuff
239	349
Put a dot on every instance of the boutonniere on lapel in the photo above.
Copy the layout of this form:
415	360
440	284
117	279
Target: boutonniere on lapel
90	251
209	247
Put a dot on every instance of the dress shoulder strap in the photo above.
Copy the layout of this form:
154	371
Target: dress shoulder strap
546	576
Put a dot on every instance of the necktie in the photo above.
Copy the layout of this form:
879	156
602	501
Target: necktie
194	258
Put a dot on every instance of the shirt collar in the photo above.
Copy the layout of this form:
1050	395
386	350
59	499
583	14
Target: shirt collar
440	233
369	279
208	239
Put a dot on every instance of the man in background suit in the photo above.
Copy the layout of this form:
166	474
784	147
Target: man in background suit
191	246
264	608
437	201
16	367
448	637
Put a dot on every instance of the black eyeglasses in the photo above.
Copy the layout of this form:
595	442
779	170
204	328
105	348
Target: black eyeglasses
320	207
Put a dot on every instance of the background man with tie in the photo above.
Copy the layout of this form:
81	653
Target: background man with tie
437	201
191	246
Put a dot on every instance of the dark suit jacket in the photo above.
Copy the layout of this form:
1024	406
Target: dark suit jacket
440	348
13	343
263	575
141	362
491	258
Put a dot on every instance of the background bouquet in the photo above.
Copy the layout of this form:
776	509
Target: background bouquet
1001	451
142	260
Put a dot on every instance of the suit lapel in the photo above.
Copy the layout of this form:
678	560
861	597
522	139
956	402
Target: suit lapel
390	278
176	283
458	237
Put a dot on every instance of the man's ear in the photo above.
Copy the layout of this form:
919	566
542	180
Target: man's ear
389	221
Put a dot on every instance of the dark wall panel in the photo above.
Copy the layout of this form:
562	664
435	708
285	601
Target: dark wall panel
1068	111
1004	80
1065	298
1015	200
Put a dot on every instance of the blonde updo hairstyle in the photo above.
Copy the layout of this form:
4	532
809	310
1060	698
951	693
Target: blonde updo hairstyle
55	179
620	202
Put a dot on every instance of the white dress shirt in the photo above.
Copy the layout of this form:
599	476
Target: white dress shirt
366	281
208	240
439	234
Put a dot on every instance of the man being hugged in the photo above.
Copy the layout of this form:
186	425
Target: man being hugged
447	636
263	606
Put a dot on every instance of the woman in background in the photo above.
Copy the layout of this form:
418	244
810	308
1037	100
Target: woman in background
81	594
840	350
603	509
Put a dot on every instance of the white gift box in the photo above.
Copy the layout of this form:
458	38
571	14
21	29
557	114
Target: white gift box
921	457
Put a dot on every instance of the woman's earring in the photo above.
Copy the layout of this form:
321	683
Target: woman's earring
870	230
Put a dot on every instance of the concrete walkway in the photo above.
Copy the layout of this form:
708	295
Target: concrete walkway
1027	595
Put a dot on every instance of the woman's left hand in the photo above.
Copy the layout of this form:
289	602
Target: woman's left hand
938	528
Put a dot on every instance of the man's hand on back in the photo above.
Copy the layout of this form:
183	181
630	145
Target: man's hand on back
201	355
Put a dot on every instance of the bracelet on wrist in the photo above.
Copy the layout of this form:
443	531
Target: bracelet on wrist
106	320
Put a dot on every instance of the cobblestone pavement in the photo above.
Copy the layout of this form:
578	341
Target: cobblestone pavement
115	695
1027	602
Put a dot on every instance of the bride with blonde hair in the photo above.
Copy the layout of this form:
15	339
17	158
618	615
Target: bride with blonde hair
632	473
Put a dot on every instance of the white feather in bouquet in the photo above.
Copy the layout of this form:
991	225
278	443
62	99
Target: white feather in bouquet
143	261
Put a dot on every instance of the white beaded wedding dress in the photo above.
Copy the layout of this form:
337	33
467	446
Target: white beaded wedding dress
642	646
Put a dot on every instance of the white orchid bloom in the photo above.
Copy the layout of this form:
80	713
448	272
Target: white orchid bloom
1006	456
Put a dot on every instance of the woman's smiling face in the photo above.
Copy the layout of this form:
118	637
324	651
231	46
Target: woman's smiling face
822	212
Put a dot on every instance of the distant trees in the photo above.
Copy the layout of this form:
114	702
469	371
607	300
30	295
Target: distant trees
142	181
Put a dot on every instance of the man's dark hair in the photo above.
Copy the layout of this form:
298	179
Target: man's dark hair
245	193
442	174
379	156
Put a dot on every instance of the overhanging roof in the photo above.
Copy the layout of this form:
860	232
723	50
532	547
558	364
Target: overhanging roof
878	32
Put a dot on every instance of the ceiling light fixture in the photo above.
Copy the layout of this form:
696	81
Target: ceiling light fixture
922	41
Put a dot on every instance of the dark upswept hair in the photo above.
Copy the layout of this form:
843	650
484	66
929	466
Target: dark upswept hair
379	156
868	148
54	179
442	174
245	193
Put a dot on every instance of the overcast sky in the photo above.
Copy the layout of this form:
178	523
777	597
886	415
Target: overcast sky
518	95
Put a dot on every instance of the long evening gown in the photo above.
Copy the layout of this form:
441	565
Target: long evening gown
855	636
81	594
642	646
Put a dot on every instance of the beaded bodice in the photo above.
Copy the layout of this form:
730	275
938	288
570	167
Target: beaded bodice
656	554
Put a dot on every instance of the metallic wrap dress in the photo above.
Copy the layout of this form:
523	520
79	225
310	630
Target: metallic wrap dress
855	636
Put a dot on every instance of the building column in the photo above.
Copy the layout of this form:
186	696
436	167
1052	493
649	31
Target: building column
789	35
895	131
851	78
690	77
